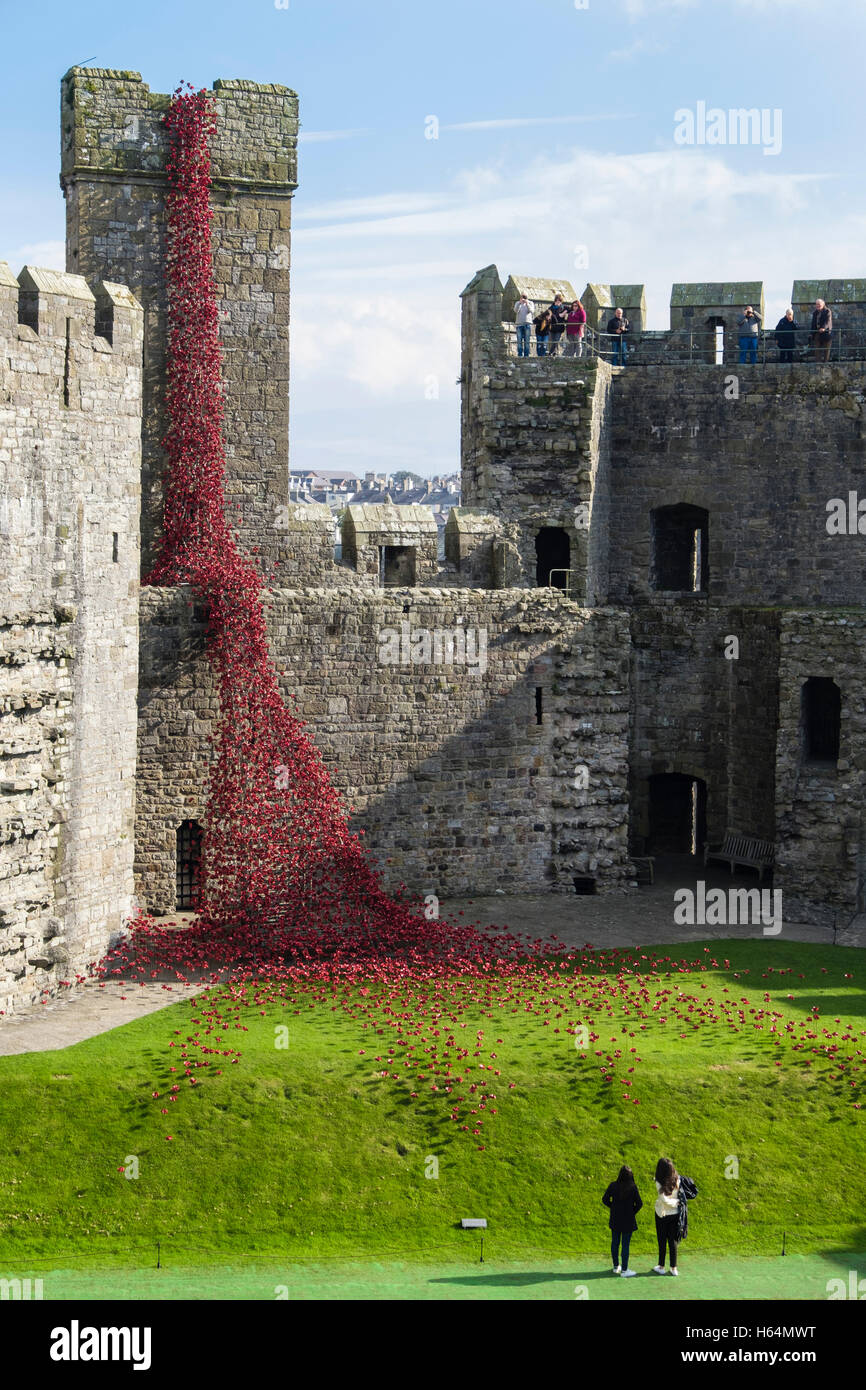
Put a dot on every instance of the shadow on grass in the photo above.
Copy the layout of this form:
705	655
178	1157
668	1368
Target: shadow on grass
850	1259
526	1277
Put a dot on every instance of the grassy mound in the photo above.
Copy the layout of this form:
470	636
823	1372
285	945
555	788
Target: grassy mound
309	1151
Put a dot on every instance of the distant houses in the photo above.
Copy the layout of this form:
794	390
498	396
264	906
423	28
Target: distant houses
337	488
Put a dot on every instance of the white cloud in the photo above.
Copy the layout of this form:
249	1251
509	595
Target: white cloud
48	255
587	190
376	315
641	48
841	7
405	272
380	205
519	122
383	343
639	9
636	9
314	136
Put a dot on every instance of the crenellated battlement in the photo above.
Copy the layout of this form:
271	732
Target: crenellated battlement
703	316
112	127
67	343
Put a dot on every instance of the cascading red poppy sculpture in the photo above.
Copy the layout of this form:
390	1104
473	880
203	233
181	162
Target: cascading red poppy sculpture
278	852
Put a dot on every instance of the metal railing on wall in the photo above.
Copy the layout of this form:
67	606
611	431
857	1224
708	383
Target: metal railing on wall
695	346
565	586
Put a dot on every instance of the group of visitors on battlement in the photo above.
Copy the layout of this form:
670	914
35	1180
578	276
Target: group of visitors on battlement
785	334
561	320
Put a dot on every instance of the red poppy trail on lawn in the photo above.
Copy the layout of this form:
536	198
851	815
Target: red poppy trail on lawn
291	911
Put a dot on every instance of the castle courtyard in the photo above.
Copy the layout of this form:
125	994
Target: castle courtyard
432	716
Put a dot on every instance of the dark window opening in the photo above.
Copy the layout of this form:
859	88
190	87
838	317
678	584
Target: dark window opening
584	886
821	718
397	566
677	813
716	330
28	309
115	546
539	704
553	558
66	362
189	838
680	549
104	324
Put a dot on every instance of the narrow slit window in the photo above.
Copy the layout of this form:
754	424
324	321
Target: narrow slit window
716	328
115	546
821	719
28	309
104	324
189	838
66	361
539	704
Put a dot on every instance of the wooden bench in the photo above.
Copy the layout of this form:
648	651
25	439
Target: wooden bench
743	849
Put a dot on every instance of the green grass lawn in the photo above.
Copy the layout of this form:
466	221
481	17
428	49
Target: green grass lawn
308	1153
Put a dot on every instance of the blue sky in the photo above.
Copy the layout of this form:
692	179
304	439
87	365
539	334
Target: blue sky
556	132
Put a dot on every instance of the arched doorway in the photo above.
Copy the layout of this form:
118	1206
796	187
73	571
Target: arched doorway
552	558
677	813
189	838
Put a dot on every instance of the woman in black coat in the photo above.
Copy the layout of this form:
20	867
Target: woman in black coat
624	1202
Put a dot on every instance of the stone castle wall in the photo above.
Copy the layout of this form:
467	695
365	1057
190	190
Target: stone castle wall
764	466
821	809
762	451
457	785
70	409
699	713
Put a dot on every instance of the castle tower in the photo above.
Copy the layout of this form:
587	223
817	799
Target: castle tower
534	449
114	149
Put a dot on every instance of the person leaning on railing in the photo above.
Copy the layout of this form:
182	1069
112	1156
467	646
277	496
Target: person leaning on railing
785	333
822	331
749	328
523	320
542	323
617	327
558	316
575	329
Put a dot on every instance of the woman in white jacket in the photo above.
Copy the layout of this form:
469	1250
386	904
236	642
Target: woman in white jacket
667	1213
